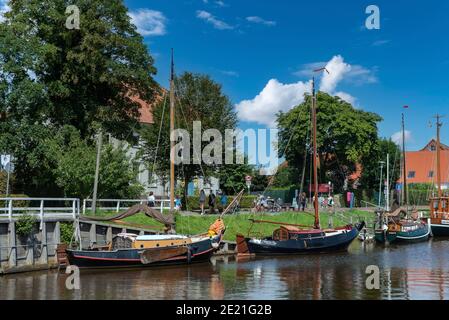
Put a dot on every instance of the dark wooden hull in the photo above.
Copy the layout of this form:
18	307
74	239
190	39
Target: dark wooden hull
440	230
130	258
315	244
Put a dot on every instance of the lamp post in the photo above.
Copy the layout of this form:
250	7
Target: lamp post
380	181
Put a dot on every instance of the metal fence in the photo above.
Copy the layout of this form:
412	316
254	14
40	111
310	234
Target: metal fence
61	208
116	205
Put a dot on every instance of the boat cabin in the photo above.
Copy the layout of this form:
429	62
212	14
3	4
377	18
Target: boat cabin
285	233
133	241
439	208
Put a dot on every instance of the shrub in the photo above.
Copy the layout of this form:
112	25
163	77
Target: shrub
66	232
25	225
17	203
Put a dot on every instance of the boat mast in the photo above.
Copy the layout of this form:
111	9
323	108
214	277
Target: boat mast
439	124
172	128
387	187
315	153
404	168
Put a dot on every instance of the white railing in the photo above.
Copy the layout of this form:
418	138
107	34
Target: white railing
123	204
42	208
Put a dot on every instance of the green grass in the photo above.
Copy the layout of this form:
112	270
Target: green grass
240	224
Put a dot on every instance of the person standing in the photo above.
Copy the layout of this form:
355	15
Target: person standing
224	200
178	203
202	200
151	200
303	201
212	203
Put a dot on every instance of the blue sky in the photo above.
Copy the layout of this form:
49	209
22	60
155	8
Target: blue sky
266	47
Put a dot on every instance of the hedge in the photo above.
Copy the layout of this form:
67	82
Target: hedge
17	203
193	202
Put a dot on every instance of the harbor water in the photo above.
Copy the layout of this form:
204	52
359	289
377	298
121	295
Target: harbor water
416	271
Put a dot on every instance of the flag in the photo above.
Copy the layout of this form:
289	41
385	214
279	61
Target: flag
405	107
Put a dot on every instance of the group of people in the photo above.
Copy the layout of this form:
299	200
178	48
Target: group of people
301	201
151	201
211	200
323	202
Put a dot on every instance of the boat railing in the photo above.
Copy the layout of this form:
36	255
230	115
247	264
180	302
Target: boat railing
117	205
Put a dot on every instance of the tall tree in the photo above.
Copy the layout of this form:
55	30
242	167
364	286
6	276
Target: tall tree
197	98
345	137
371	164
74	167
51	76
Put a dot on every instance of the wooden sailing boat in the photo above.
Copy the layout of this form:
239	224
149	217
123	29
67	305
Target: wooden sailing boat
439	206
299	239
398	226
131	250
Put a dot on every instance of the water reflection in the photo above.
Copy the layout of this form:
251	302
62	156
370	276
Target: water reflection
407	272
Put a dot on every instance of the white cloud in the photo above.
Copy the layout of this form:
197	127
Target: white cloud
337	70
230	73
277	97
4	7
355	74
256	19
209	18
346	97
273	98
221	3
397	137
149	22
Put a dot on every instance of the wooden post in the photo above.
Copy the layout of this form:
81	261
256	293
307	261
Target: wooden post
12	244
97	169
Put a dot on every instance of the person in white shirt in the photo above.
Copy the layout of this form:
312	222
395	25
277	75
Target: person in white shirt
151	199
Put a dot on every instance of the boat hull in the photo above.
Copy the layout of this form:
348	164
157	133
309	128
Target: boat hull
309	245
440	230
130	258
421	234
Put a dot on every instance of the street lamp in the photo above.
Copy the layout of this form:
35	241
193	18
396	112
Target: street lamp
380	181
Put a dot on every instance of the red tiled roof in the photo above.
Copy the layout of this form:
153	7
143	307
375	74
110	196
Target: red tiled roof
146	108
423	162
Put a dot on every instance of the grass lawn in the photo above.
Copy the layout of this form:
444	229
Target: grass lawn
239	223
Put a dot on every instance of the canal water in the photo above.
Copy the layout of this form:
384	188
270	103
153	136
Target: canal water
417	271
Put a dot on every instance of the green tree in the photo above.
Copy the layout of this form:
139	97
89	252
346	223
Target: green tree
74	167
197	98
286	177
371	164
232	177
345	136
51	76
